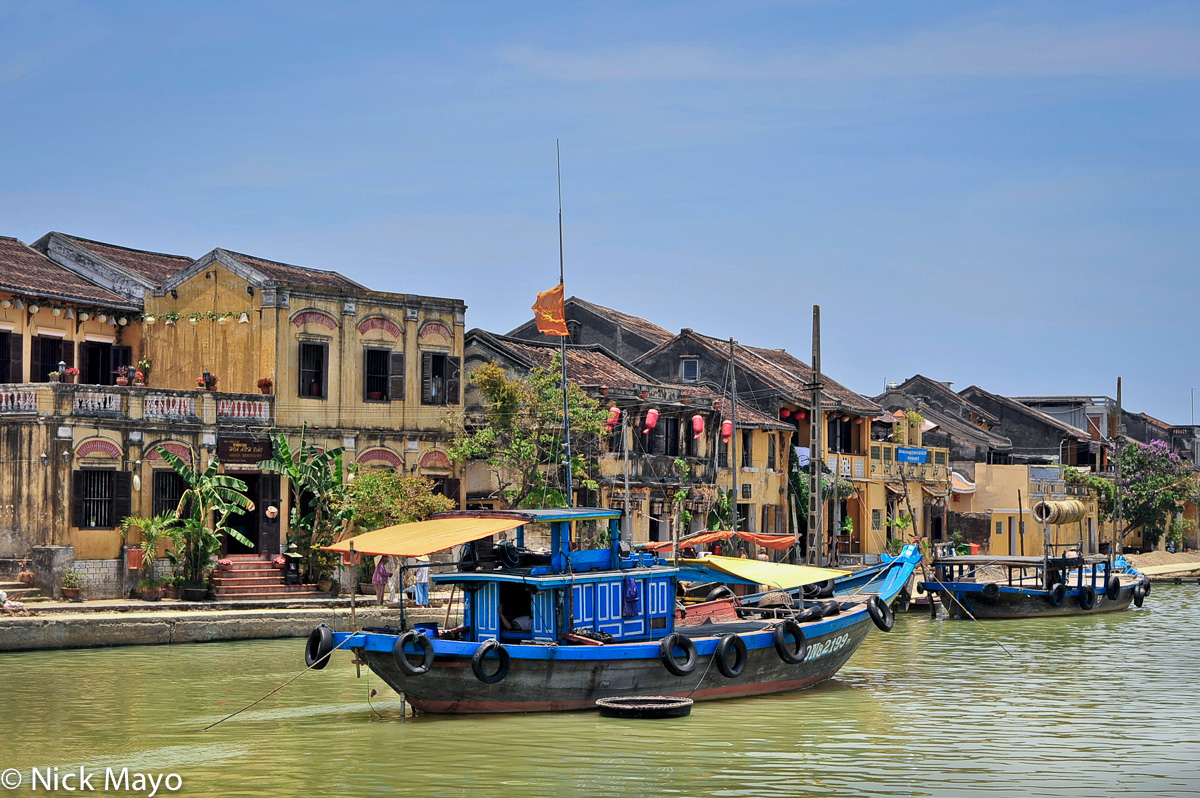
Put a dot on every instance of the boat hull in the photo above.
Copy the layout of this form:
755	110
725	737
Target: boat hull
1027	604
549	678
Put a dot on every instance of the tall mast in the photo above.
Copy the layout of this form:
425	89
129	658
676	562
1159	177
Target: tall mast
733	461
1116	541
816	502
563	339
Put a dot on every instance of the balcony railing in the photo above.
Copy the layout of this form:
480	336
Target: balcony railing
169	407
255	411
134	403
18	400
97	402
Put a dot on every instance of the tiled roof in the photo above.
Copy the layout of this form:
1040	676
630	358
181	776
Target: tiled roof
747	415
154	266
286	272
646	329
26	271
586	365
1045	418
793	376
945	392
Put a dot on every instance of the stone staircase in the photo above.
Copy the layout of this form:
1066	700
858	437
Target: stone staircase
19	591
253	578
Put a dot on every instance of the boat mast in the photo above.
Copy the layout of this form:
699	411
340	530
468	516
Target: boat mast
563	339
1115	544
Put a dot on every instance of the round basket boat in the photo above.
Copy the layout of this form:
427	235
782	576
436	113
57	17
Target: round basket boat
645	706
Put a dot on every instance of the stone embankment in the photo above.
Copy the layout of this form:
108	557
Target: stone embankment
135	623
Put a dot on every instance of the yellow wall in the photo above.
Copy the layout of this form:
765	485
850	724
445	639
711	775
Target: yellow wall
44	322
996	489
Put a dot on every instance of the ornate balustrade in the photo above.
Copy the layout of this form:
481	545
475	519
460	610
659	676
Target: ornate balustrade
255	411
18	400
170	407
97	402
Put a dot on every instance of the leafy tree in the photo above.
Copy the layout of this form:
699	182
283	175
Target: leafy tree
317	491
521	434
1102	488
378	498
210	498
1154	484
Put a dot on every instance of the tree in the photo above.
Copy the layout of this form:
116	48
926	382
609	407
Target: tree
317	491
521	434
209	498
1154	484
377	498
164	526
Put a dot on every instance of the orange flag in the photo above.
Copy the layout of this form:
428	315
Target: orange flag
549	312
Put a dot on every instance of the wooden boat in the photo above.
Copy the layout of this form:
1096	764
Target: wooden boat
984	587
602	623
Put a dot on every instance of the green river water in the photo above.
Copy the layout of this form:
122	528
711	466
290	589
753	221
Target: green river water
1106	705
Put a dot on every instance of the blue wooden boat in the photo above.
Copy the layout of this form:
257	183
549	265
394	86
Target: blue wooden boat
602	623
1067	584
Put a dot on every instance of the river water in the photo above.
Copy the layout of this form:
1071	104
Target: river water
1106	705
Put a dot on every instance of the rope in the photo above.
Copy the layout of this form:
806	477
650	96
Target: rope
704	675
280	687
969	615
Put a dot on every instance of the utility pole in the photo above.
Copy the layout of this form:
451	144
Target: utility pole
816	502
626	520
1115	547
735	465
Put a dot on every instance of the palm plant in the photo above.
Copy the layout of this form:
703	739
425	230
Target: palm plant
164	526
209	497
317	491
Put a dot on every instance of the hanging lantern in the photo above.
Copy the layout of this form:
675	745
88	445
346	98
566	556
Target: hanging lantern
614	418
784	412
6	304
801	414
244	318
697	426
122	321
112	321
57	312
84	315
19	305
100	317
34	308
194	319
651	420
726	431
149	320
170	322
70	313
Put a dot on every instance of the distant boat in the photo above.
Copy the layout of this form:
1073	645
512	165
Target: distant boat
578	626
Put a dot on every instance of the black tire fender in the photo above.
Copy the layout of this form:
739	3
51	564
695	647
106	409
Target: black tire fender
420	641
319	647
731	670
666	653
477	662
719	592
791	629
1056	595
991	591
1139	595
1145	586
830	607
1087	597
1112	588
881	613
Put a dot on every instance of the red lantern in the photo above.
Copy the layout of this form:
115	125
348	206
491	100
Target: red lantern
726	431
697	426
784	413
614	418
651	420
801	414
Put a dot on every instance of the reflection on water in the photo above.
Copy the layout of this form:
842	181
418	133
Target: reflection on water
1105	705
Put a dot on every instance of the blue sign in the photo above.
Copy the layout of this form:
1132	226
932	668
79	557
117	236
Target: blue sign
906	454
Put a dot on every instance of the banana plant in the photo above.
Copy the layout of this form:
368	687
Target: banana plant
209	498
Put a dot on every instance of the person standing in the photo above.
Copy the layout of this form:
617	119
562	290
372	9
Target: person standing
380	578
420	587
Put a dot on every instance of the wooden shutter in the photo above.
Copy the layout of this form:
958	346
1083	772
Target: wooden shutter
268	496
68	353
122	495
15	358
453	370
121	356
426	378
451	488
366	363
396	377
77	499
35	359
301	388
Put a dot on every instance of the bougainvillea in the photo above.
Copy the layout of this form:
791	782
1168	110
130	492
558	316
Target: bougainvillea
1154	484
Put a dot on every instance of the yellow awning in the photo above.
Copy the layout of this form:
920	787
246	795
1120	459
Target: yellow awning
424	537
772	574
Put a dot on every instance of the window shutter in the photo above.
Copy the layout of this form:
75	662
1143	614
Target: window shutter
122	495
122	356
365	365
35	359
324	371
68	353
658	439
453	369
396	377
15	359
451	489
77	499
426	378
301	388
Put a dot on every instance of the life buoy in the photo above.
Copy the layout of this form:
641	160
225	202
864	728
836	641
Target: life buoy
1087	597
1139	594
1112	588
319	647
731	670
420	641
666	652
477	662
991	591
1056	595
881	613
790	629
719	592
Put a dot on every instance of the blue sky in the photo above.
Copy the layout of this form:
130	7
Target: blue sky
1002	194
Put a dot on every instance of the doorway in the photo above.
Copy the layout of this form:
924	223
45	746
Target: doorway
247	523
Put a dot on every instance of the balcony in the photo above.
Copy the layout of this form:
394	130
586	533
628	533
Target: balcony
885	465
134	403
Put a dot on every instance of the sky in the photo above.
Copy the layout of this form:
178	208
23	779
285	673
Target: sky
994	193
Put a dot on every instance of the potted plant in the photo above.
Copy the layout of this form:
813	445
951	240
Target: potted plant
224	564
150	590
122	375
70	374
70	586
265	385
54	376
139	378
154	530
200	384
143	366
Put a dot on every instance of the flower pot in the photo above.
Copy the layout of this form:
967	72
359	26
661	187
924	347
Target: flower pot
366	588
122	381
194	593
375	396
264	389
153	594
72	593
68	378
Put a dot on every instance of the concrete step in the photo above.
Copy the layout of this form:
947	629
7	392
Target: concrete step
252	565
238	573
19	591
282	595
255	590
